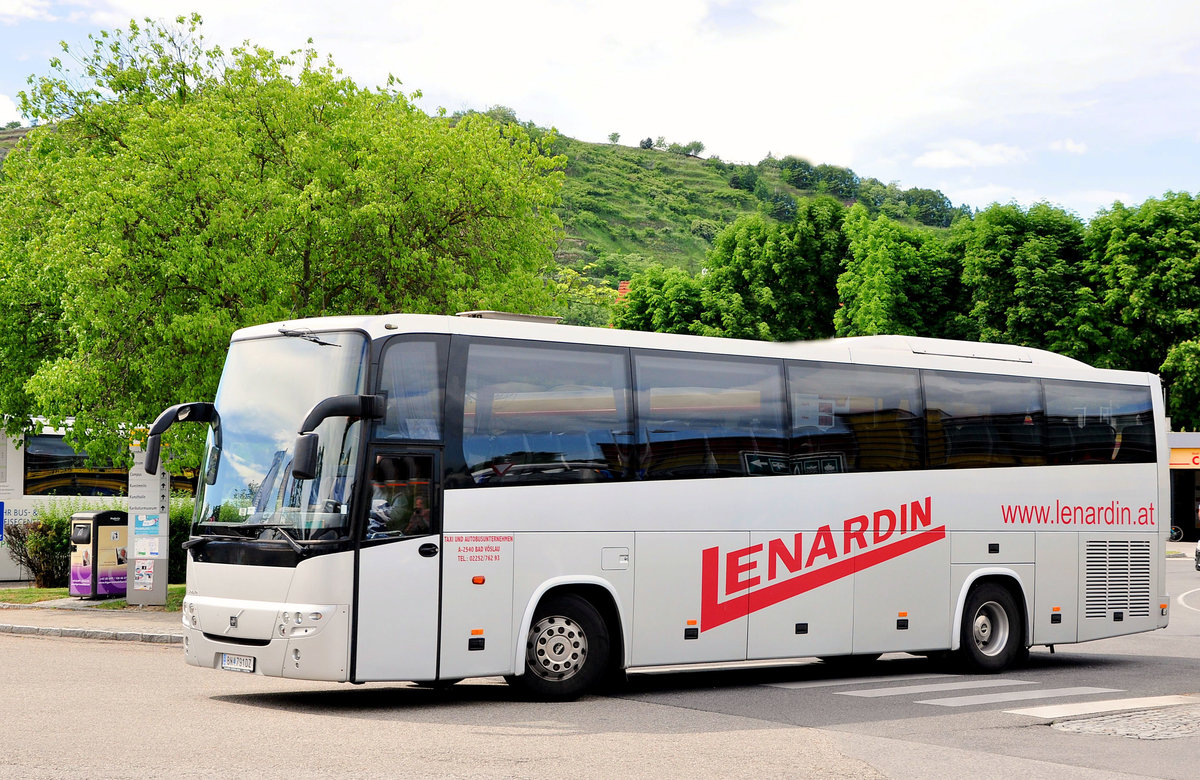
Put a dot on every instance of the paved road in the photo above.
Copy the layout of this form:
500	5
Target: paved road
1124	705
79	707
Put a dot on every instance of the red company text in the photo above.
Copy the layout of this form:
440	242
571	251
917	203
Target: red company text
1114	513
738	582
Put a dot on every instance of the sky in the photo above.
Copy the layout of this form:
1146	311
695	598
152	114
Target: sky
1079	103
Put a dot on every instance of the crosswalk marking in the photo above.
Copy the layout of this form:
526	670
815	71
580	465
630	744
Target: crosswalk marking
993	698
956	682
1052	711
856	680
934	687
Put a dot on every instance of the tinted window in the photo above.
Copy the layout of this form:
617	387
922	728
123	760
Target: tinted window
544	413
705	416
53	468
401	497
976	420
412	377
854	418
1099	423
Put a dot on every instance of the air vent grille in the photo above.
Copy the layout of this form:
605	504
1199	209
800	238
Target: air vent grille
1117	578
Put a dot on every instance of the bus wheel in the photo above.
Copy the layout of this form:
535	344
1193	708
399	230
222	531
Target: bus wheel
566	651
991	638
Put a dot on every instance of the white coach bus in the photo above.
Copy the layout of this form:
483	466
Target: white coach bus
470	497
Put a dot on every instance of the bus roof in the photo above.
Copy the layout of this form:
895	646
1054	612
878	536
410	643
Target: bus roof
890	350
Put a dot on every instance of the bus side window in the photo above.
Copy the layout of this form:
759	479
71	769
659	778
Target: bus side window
541	413
706	416
854	418
979	420
401	497
413	380
1093	422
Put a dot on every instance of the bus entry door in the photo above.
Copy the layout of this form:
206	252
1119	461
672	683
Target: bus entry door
399	571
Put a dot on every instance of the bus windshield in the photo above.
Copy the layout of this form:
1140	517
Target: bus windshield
267	387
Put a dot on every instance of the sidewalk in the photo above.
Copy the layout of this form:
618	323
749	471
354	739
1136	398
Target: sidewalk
75	617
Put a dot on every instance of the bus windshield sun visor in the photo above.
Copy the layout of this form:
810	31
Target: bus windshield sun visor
200	412
365	407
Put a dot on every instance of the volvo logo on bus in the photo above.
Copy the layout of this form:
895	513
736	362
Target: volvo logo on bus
233	621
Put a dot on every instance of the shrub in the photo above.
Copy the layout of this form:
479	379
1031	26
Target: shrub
181	528
42	546
705	228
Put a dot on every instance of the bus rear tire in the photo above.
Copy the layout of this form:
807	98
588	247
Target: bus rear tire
566	650
991	638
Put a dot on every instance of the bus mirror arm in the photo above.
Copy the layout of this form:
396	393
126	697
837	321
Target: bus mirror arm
365	407
194	412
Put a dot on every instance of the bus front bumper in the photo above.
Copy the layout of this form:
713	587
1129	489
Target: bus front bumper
315	647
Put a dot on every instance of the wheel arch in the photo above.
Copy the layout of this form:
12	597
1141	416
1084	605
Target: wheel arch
1004	577
598	592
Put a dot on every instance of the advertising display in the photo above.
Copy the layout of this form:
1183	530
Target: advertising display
99	554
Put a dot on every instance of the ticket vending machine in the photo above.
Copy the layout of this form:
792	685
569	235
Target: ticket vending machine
98	554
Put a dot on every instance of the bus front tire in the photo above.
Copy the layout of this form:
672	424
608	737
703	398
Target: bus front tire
992	638
566	650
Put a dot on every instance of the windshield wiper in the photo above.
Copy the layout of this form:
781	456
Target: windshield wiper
278	529
307	335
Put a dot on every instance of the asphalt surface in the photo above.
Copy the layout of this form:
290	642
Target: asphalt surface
604	736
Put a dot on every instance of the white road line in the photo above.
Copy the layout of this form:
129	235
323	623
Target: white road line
1051	711
933	687
1181	599
993	698
856	680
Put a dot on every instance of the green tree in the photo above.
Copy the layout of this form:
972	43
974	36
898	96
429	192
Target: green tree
662	300
839	182
772	281
1146	261
798	172
896	280
614	138
182	193
1027	279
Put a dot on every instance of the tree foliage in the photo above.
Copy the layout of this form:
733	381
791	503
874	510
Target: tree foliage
660	299
1026	275
896	280
182	193
763	280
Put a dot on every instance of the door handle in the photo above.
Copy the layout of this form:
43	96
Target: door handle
428	550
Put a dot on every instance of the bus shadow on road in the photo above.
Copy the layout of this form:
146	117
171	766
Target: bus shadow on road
407	700
849	670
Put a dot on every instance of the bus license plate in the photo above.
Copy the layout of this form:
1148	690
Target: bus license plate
237	663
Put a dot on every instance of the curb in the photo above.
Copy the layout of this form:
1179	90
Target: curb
93	633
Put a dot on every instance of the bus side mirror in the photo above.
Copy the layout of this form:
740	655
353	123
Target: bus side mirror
364	407
195	412
304	464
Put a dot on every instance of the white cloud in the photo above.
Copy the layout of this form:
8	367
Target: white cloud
1069	146
14	11
844	83
962	153
1085	203
8	111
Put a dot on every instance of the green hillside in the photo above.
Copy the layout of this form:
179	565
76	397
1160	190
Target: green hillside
624	206
627	200
9	138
